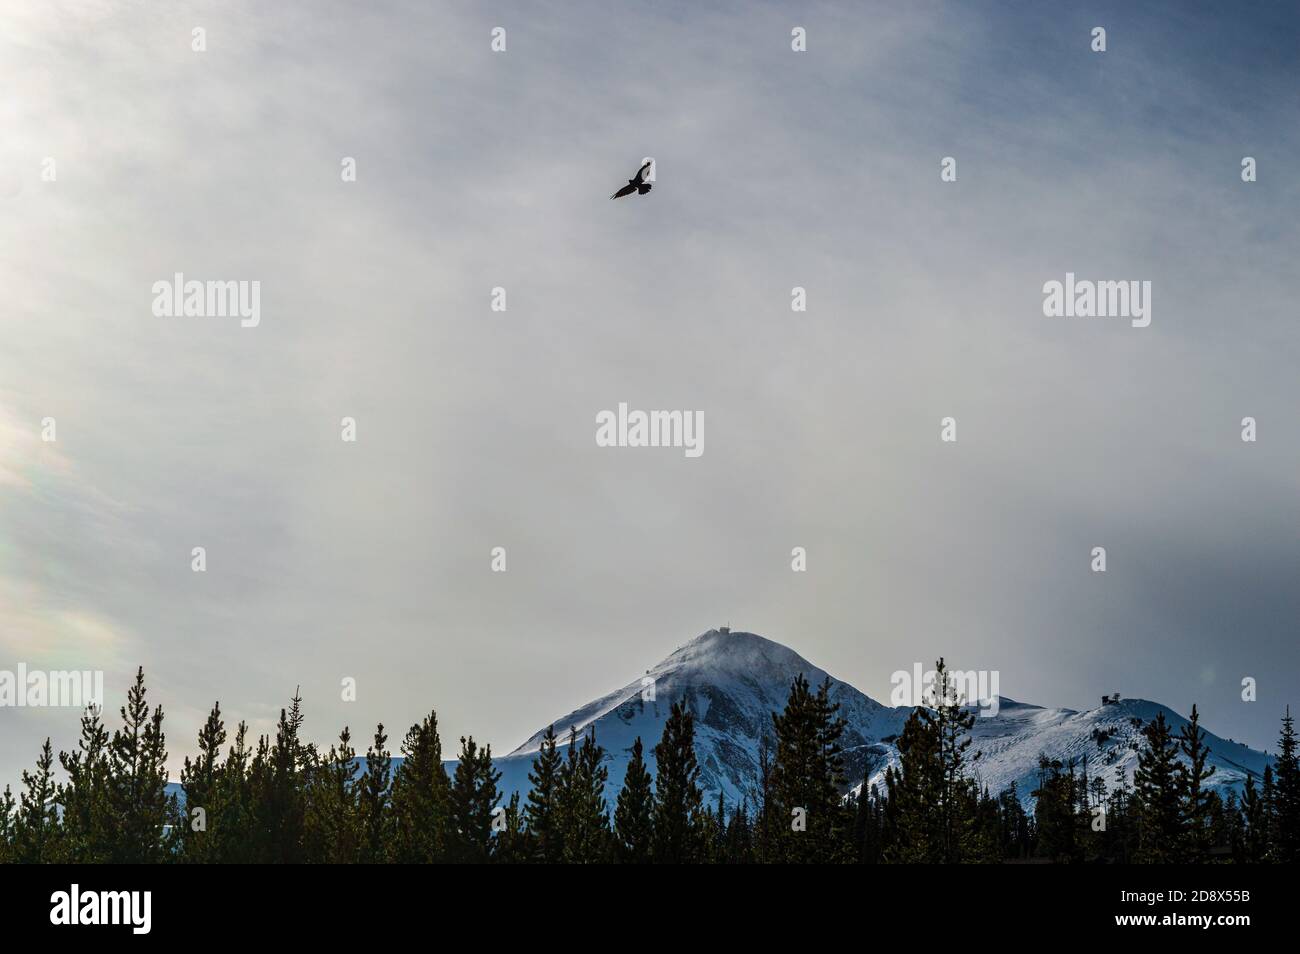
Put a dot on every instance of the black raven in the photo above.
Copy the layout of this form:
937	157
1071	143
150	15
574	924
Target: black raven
637	185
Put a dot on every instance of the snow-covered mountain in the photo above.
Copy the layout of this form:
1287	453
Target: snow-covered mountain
733	682
1009	744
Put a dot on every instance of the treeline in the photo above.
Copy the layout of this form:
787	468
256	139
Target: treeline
284	800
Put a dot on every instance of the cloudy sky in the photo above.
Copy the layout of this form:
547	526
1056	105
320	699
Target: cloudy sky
476	428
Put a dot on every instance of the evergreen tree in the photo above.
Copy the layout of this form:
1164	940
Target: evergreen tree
1096	839
234	830
543	811
676	838
279	779
1121	827
868	825
372	800
421	798
1268	796
859	805
708	823
200	780
740	837
1060	824
634	813
912	788
1256	823
1014	838
512	845
87	825
585	814
36	831
332	828
8	822
1197	799
258	848
959	793
473	799
934	800
564	793
987	829
807	776
1223	827
1233	825
889	816
1286	796
137	793
1159	796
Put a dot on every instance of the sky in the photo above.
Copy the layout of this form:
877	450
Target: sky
475	169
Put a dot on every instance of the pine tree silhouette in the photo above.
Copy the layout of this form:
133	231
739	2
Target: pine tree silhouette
634	812
87	823
1158	792
421	798
936	801
473	798
677	794
542	813
1286	796
585	814
373	816
37	827
1256	822
8	822
1198	801
332	829
200	780
137	793
807	777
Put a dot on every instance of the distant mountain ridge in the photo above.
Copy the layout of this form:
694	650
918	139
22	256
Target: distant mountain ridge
734	681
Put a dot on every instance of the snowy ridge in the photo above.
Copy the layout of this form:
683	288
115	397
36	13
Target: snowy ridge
1107	739
733	682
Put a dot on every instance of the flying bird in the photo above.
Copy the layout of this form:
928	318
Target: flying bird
637	185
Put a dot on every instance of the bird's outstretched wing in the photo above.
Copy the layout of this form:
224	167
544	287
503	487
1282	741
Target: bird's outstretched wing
640	173
626	190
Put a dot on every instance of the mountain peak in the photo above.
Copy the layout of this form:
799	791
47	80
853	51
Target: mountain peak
734	651
733	681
